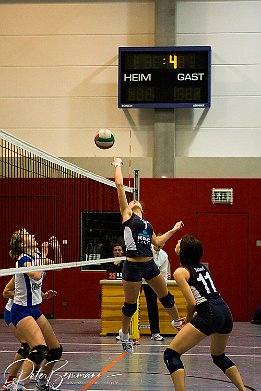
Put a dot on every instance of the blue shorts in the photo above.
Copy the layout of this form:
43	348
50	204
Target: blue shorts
18	312
136	271
7	317
213	317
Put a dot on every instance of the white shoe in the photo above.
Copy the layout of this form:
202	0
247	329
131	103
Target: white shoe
8	386
127	345
16	386
45	387
157	337
118	337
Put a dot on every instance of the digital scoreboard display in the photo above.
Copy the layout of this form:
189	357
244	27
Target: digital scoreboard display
164	77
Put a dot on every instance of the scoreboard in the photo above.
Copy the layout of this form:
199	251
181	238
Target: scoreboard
164	77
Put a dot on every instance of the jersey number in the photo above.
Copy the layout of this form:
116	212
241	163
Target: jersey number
205	280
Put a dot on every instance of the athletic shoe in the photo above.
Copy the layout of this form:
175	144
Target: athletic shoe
44	387
127	345
16	386
157	337
8	386
118	338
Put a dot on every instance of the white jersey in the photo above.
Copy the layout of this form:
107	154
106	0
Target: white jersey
9	304
28	292
162	261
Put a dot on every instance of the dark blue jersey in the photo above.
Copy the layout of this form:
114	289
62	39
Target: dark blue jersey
201	283
137	237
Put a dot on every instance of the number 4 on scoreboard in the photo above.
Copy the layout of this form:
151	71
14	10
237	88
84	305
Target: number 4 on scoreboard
173	60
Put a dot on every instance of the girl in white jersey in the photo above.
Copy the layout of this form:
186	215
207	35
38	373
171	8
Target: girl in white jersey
26	316
23	351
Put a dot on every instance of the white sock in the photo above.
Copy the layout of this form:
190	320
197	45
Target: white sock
125	337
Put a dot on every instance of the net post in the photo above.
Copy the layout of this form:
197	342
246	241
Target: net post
136	185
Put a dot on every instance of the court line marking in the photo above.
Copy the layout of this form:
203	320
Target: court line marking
104	370
148	345
148	354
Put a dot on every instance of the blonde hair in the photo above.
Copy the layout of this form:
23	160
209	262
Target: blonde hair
16	243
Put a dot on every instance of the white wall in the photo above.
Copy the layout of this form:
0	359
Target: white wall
58	83
58	79
232	126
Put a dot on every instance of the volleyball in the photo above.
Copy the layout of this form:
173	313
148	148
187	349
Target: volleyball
104	139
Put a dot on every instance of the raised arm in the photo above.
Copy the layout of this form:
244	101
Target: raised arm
125	210
160	240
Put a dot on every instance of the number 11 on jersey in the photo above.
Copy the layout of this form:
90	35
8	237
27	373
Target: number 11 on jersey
204	280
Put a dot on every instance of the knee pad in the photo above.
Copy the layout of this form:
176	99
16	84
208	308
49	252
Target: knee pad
24	350
222	361
38	353
54	354
167	301
129	309
172	360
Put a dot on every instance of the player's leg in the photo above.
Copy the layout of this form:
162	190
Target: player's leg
217	349
55	349
158	284
31	333
153	311
187	338
21	354
131	293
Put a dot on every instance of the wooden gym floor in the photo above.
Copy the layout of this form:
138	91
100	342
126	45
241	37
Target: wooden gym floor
92	362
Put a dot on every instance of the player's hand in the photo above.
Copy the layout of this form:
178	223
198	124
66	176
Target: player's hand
49	294
117	161
44	248
54	242
178	226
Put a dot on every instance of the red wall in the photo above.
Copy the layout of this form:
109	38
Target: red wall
228	234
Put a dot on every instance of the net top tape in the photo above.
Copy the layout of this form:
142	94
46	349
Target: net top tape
55	160
56	266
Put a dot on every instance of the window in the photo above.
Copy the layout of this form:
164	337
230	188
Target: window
99	231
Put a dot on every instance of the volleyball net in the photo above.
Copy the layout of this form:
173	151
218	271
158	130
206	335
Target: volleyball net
73	213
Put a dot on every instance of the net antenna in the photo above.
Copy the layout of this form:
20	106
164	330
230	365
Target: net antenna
45	196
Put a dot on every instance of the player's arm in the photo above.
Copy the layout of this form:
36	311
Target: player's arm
181	276
123	203
55	245
9	289
57	249
160	240
34	275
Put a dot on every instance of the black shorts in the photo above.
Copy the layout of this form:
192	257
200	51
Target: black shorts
213	318
136	271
